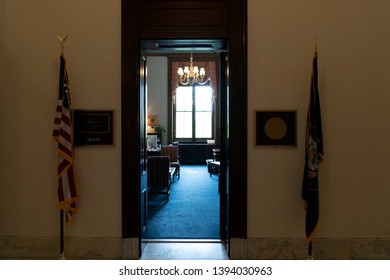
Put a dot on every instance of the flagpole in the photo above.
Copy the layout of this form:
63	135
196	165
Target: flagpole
62	42
62	249
310	182
62	238
309	254
310	245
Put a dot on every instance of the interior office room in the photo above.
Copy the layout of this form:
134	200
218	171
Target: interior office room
353	81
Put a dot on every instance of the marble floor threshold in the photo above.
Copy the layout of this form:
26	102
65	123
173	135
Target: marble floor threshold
184	249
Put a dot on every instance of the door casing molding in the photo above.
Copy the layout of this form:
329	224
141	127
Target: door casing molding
151	19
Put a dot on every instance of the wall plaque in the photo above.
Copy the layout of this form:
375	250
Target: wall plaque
276	128
93	127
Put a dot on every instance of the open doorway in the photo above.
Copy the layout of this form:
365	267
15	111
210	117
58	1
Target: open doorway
193	210
144	19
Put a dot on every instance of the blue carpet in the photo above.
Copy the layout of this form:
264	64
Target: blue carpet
193	208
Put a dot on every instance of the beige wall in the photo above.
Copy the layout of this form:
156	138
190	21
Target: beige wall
353	71
157	88
29	62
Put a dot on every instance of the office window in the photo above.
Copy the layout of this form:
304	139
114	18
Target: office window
193	113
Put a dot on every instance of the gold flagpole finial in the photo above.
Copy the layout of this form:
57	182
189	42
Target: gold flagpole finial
62	42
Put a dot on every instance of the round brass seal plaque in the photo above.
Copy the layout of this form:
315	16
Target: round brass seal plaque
275	128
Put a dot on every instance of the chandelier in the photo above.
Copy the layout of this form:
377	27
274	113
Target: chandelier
191	74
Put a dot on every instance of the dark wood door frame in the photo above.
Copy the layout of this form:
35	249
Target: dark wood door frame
157	19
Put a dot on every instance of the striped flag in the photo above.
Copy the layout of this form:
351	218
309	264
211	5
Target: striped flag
62	134
314	153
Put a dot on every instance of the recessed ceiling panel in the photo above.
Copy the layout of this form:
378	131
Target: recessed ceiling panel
177	46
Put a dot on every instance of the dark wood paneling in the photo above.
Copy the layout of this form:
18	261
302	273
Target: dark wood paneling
184	19
238	132
230	23
131	147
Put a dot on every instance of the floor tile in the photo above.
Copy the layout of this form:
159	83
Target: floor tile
184	251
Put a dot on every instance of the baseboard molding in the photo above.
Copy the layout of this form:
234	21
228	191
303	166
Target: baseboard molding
354	248
115	248
130	249
48	248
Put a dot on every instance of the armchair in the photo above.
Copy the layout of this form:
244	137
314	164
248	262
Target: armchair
172	152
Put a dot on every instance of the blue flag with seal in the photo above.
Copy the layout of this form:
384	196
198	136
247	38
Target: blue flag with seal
314	154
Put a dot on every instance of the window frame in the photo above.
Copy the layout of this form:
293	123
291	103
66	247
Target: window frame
172	74
193	138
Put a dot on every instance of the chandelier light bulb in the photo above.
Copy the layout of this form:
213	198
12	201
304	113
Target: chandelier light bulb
180	71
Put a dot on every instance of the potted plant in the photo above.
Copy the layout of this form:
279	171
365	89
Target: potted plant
161	131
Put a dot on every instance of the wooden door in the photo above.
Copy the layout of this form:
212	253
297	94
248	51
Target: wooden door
224	147
143	152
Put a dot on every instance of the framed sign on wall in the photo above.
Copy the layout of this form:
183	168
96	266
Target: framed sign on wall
275	128
93	127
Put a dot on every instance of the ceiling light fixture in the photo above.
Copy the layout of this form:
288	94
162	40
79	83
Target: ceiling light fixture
191	74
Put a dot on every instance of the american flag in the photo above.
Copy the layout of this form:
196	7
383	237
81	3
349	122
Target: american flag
62	134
